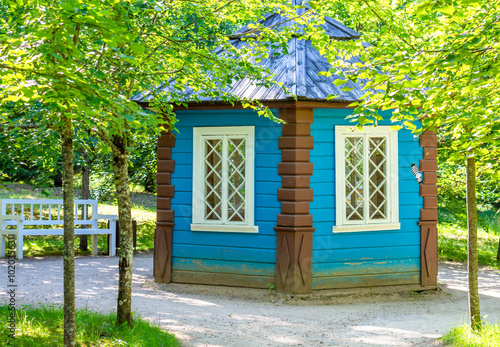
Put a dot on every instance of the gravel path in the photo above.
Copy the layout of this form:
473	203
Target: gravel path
222	316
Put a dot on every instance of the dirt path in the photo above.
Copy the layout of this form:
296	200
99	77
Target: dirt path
221	316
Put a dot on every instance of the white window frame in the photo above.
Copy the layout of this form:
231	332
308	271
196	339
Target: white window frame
392	222
198	205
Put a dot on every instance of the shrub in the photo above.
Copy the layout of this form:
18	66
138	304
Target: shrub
102	187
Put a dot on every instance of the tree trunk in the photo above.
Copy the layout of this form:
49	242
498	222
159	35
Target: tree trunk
474	314
69	234
498	251
125	253
85	195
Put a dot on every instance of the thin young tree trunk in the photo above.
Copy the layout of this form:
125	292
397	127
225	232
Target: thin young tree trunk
474	314
125	253
69	234
498	251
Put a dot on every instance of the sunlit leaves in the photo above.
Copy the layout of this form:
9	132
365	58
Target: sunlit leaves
437	61
91	57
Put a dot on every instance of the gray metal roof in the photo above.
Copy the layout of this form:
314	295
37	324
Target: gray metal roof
298	70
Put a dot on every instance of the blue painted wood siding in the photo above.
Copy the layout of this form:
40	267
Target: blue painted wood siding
356	259
227	252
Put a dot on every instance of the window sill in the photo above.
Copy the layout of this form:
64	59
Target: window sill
370	227
225	228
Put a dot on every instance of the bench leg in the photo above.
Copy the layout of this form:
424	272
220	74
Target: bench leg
2	245
112	245
93	241
112	239
19	246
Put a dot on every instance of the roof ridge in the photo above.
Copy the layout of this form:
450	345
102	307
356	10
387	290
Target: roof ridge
330	25
341	27
294	70
300	70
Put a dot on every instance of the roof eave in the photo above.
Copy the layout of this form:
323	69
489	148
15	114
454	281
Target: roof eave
299	102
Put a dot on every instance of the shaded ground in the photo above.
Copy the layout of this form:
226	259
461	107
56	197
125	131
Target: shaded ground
222	316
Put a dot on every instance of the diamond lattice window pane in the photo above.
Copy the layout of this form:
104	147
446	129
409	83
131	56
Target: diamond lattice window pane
213	179
377	162
354	178
236	180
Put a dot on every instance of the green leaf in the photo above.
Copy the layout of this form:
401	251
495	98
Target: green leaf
347	89
475	40
27	93
339	82
482	151
99	74
414	83
137	48
451	58
313	5
449	10
57	56
422	10
66	6
363	120
13	98
409	125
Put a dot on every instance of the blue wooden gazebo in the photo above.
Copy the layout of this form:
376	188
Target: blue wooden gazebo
307	205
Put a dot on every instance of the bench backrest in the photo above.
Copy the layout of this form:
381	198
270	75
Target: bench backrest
48	211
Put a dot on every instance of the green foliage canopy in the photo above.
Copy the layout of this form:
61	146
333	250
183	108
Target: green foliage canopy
86	59
434	61
89	57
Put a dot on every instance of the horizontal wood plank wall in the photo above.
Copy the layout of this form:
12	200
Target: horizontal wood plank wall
429	214
226	258
362	259
162	264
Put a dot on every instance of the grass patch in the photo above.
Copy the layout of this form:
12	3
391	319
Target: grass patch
452	239
25	191
453	245
463	336
44	327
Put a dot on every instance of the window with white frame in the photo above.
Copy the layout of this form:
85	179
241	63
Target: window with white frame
223	179
366	179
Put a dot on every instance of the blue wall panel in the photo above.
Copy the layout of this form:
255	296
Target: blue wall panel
340	259
244	254
344	259
226	252
221	266
365	254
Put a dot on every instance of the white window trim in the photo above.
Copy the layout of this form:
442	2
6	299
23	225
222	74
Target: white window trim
392	223
198	223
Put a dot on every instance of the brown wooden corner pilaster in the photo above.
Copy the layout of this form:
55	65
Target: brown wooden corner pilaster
162	264
429	215
294	224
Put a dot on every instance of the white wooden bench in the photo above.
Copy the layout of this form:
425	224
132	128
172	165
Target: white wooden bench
22	217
